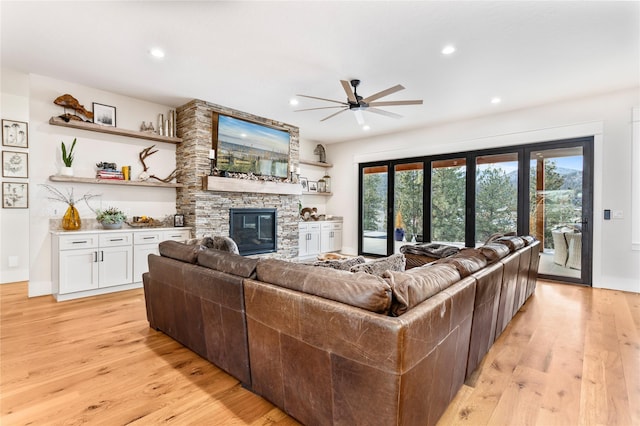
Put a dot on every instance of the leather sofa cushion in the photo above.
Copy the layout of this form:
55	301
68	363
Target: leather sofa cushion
395	262
230	263
528	239
416	285
467	261
514	243
356	289
493	251
344	264
180	251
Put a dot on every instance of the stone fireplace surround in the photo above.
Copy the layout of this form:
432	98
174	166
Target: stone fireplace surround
207	211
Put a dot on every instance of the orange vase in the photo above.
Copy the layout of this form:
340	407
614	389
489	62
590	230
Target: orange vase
71	219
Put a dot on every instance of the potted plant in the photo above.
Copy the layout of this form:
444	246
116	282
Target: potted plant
111	218
67	159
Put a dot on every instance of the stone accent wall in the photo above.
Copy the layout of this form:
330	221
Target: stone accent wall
208	211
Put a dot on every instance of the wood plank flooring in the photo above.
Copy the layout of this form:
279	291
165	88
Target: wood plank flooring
570	357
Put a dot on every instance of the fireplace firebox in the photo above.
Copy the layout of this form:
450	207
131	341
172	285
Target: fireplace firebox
254	230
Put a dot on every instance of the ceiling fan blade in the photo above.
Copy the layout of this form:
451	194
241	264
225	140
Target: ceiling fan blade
359	117
323	99
348	91
385	113
334	114
384	93
312	109
393	103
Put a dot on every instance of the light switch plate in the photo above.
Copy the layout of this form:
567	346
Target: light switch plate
618	214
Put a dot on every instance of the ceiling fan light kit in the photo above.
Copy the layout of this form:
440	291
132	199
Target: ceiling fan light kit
358	104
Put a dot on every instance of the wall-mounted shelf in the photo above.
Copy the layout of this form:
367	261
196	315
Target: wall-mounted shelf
55	178
57	121
324	194
316	163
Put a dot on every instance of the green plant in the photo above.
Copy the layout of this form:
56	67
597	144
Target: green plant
67	158
110	215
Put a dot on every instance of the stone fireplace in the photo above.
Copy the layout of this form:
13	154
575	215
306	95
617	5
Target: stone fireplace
206	201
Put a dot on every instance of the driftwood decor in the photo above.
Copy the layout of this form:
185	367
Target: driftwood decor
145	153
68	101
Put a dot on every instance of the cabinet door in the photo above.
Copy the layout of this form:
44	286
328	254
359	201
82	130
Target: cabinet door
78	270
337	240
326	240
140	259
115	265
313	243
302	243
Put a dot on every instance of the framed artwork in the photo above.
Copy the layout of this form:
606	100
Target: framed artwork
15	134
15	195
313	186
104	115
178	220
305	184
15	164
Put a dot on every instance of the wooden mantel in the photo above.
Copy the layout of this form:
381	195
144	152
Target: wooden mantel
221	184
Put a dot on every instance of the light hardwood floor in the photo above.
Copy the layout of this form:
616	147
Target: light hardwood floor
570	357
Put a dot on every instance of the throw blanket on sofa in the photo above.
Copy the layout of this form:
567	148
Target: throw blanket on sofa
435	250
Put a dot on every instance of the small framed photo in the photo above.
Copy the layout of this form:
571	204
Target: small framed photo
15	164
305	184
15	133
104	115
313	186
15	195
178	220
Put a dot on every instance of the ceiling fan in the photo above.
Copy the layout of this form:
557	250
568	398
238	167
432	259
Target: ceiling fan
358	104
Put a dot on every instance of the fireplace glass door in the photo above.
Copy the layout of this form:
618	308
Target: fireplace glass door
254	230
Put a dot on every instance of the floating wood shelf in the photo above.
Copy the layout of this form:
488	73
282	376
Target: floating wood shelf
55	178
221	184
325	194
57	121
316	163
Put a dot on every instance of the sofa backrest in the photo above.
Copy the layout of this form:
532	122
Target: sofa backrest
356	289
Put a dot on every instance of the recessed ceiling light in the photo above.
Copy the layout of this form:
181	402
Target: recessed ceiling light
293	101
366	128
243	135
157	53
496	100
448	50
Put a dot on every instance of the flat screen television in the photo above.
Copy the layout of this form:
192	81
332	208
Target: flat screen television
246	147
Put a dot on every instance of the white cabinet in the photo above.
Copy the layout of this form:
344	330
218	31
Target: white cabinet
309	239
146	243
331	237
87	263
319	237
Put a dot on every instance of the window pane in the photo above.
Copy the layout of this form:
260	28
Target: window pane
496	195
374	210
448	180
408	205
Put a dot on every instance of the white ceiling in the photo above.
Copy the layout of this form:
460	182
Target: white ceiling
255	56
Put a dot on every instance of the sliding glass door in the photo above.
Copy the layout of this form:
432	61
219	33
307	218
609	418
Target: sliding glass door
374	236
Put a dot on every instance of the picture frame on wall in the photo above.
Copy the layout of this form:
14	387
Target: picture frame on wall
15	195
15	164
178	220
15	134
313	186
304	182
105	115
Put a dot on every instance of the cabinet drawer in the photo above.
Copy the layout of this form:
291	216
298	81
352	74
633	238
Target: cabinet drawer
313	226
336	225
146	237
116	239
176	235
326	225
69	242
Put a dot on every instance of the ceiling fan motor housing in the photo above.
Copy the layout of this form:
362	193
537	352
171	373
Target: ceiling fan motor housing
359	104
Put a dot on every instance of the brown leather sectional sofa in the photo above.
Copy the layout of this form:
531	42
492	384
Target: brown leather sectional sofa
334	347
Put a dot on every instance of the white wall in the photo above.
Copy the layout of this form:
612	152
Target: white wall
607	117
14	223
91	148
314	173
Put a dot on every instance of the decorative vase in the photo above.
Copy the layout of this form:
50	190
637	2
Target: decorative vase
111	225
398	234
71	219
66	171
